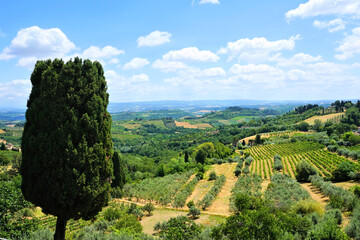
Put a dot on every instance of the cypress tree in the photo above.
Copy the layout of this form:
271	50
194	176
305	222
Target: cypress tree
66	145
186	158
119	174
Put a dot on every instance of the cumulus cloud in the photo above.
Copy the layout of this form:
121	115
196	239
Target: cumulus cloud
257	48
332	26
154	39
209	1
350	46
136	63
94	52
39	43
168	66
191	54
298	59
139	78
314	8
15	92
113	61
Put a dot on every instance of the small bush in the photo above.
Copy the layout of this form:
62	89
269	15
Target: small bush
111	214
149	208
308	206
304	170
212	176
194	212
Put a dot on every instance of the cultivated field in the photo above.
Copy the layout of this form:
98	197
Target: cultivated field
195	126
292	153
335	118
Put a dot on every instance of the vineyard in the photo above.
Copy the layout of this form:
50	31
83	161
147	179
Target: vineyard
292	153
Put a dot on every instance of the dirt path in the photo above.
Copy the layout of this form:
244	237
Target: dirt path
315	193
200	190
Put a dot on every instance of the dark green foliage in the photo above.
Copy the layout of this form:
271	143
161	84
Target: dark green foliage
200	156
128	222
186	157
248	161
179	228
342	173
2	146
66	143
277	162
212	176
237	171
119	174
194	212
257	139
303	126
304	170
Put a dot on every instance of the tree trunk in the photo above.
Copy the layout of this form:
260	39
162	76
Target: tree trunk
60	229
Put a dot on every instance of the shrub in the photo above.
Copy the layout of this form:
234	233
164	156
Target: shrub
190	204
308	206
334	214
180	228
149	208
200	175
237	171
212	176
304	170
194	212
353	229
111	214
277	162
248	161
128	222
342	173
246	170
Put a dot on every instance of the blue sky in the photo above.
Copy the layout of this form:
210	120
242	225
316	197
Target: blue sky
189	49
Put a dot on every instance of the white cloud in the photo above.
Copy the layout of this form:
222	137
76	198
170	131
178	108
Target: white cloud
256	49
154	39
114	61
107	52
298	59
350	46
28	62
136	63
209	1
15	93
168	66
211	72
314	8
139	78
191	54
39	43
332	26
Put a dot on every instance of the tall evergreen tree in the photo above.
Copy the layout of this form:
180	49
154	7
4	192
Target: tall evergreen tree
119	174
186	158
66	143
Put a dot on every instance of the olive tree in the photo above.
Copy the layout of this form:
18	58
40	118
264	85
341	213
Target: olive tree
66	145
